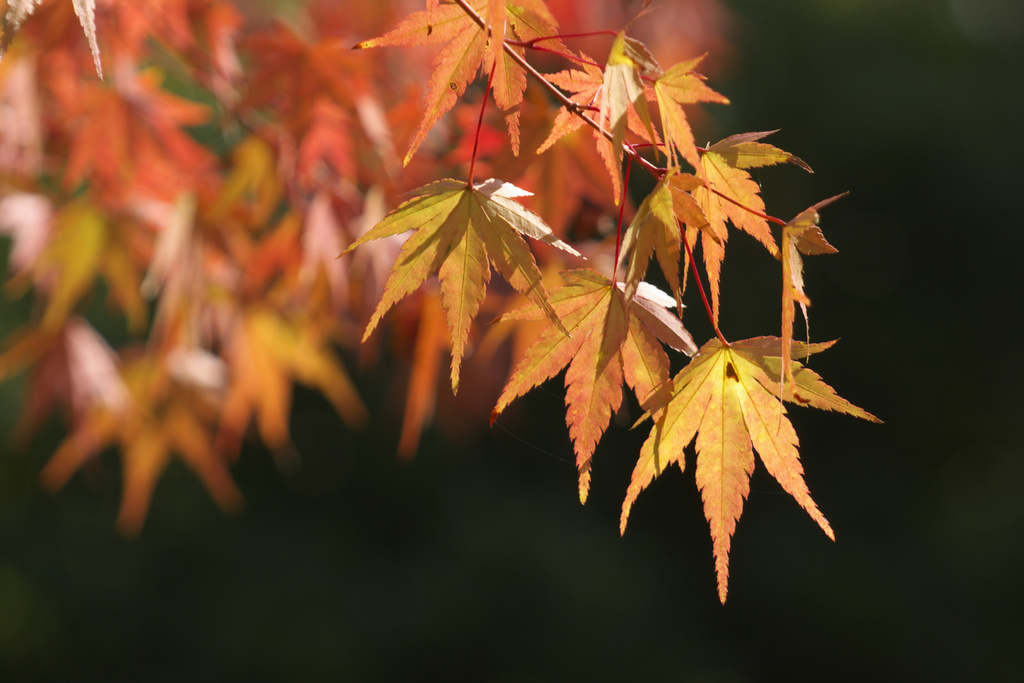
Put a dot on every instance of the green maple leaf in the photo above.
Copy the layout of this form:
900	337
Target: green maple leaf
460	232
728	398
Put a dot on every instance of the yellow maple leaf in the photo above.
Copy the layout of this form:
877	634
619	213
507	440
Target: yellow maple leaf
728	398
461	231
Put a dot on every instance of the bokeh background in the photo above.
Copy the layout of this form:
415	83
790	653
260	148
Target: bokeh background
474	560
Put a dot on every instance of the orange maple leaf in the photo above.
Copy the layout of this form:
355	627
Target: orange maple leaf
613	341
732	195
468	50
129	138
266	354
678	86
800	235
586	86
728	397
162	417
20	10
655	228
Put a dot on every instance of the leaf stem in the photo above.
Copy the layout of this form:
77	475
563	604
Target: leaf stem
759	214
558	36
480	124
700	287
618	233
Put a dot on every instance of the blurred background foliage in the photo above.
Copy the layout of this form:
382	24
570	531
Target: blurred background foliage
475	560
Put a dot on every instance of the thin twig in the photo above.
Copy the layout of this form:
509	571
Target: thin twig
703	294
480	124
759	214
618	233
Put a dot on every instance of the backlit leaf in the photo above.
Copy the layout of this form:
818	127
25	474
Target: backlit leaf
741	205
467	50
610	344
656	228
623	89
800	235
728	398
461	232
674	88
744	151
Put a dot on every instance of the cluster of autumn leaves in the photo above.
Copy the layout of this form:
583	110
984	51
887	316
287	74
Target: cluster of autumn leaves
222	256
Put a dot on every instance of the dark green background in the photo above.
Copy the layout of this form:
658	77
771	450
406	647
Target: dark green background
476	560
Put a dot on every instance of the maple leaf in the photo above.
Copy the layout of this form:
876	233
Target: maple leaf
655	228
468	50
722	166
677	86
586	86
420	397
20	10
728	397
266	352
744	151
459	230
800	235
612	342
72	368
806	387
623	88
162	418
129	138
